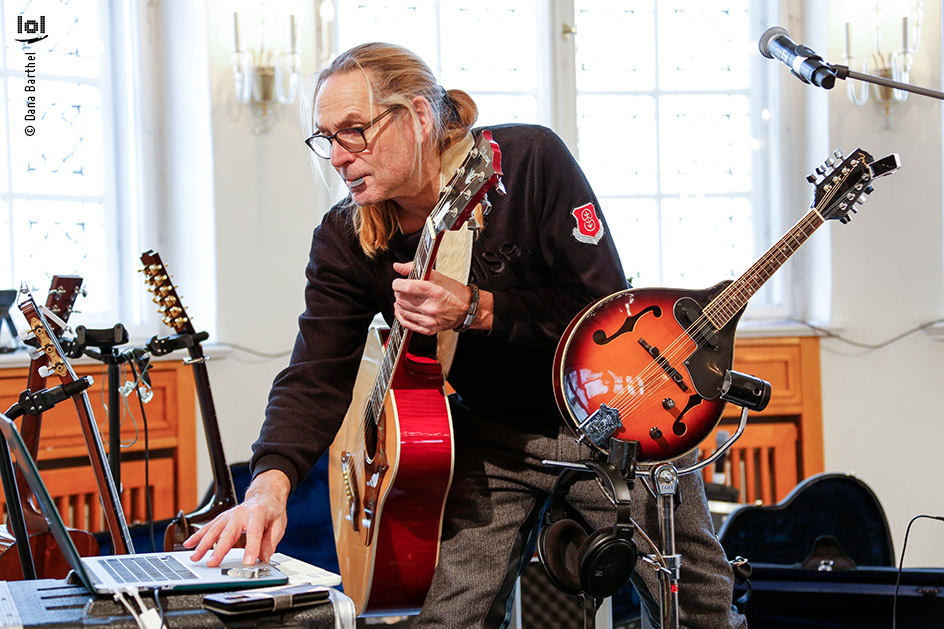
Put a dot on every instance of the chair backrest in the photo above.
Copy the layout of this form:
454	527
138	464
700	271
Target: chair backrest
836	505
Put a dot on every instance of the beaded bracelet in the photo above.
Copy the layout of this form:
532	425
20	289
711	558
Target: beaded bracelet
473	307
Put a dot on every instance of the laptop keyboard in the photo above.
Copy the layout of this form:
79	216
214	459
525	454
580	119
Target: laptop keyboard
142	569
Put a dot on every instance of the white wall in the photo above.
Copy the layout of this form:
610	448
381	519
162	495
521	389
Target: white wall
881	414
266	204
875	277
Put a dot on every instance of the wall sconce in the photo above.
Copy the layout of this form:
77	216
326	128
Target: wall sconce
894	65
265	76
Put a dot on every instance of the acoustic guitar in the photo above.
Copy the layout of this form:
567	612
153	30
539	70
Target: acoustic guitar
47	558
648	364
390	466
58	365
174	316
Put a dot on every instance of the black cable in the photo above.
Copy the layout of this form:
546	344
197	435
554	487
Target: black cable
147	460
901	562
828	334
160	608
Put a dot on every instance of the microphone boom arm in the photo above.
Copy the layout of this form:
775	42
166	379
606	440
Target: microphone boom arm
843	72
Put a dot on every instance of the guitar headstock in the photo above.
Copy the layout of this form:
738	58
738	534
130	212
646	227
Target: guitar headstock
479	171
45	336
63	291
158	282
840	186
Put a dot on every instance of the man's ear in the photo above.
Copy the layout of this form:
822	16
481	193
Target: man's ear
424	112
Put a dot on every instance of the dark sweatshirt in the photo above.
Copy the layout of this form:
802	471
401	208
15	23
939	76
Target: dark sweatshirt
544	253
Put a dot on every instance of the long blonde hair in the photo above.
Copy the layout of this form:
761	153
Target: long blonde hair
395	76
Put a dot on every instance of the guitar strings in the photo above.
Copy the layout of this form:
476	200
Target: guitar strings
726	304
426	249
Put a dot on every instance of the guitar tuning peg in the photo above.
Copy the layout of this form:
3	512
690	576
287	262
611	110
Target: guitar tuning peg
820	170
845	219
860	200
838	153
811	178
44	371
500	188
830	162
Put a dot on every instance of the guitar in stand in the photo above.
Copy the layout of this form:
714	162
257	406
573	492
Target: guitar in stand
391	461
648	364
224	494
57	364
48	560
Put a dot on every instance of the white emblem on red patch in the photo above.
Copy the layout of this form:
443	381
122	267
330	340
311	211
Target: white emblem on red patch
589	227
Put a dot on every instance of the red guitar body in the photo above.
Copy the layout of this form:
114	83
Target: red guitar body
635	353
388	483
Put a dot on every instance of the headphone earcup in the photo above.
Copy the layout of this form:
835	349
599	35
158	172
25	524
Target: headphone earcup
606	563
559	545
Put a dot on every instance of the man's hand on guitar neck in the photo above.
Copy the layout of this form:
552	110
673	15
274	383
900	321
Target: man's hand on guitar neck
439	303
262	515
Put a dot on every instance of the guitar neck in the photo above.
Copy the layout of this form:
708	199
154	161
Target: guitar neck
224	492
736	295
399	336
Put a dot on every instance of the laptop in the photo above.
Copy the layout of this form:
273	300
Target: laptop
145	571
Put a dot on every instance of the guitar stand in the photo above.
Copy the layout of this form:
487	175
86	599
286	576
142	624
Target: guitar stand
29	404
661	480
105	342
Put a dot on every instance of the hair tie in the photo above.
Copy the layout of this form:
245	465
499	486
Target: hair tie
452	112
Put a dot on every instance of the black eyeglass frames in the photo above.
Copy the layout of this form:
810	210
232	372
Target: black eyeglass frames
352	138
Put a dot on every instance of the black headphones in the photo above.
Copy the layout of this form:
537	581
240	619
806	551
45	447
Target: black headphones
579	561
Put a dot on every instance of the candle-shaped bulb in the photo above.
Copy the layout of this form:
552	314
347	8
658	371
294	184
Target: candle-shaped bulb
236	32
848	40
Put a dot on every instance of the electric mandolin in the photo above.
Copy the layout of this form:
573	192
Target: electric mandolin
648	364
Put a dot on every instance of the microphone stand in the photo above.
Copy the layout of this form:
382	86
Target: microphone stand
843	72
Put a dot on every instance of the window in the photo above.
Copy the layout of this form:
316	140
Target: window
60	152
664	104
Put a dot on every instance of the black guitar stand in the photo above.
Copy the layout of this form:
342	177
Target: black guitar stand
102	345
29	403
661	480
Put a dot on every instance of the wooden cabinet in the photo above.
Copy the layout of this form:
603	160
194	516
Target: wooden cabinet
783	444
171	460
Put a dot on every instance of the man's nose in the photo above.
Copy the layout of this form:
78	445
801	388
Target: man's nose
340	156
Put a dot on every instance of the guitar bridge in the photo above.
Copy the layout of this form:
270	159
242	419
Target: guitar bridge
350	490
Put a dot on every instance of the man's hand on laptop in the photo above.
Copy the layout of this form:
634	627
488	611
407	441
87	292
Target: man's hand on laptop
262	515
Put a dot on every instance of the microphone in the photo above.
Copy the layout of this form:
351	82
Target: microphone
805	64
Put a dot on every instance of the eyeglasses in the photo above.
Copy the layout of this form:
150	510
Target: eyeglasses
351	139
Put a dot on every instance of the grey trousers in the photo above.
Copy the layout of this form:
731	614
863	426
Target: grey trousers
493	512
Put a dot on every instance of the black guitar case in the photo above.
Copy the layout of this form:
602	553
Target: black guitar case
828	522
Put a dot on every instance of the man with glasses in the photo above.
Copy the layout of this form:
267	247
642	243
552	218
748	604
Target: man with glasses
543	253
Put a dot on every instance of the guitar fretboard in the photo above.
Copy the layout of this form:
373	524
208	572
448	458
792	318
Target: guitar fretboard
399	336
730	301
